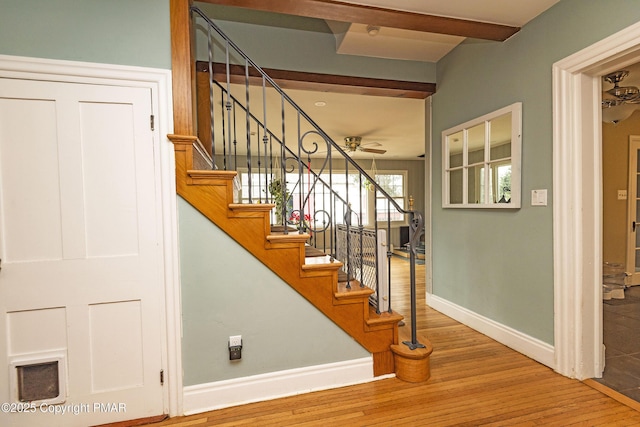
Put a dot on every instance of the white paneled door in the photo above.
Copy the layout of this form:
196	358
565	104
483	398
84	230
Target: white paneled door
81	279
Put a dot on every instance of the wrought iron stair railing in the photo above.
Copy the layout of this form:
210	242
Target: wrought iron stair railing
316	186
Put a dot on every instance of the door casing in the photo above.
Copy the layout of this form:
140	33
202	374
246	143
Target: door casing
159	83
577	200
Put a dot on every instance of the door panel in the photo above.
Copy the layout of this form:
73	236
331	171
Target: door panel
81	257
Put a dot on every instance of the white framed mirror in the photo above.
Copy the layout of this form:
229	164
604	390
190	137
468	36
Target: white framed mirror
481	161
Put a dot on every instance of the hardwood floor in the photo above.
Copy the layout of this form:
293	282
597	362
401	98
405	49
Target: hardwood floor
475	381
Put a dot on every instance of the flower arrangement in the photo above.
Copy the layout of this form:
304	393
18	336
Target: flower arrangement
295	218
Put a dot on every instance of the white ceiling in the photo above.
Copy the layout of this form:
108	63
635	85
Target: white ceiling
419	46
392	124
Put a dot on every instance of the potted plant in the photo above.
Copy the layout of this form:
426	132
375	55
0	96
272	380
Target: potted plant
280	196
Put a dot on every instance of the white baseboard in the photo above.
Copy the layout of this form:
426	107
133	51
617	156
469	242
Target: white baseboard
239	391
525	344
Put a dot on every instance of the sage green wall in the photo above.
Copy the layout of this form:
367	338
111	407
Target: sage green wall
499	264
226	291
301	44
120	32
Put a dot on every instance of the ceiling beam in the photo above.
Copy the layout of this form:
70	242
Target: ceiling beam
323	82
346	12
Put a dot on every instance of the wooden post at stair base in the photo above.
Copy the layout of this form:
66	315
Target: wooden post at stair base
412	365
183	68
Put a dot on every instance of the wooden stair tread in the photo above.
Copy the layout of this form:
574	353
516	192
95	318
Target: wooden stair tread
252	207
291	237
383	318
322	260
356	291
213	173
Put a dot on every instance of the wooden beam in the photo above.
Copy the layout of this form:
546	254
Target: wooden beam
324	82
347	12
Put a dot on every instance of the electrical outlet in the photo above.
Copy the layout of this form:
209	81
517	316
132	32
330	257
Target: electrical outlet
235	347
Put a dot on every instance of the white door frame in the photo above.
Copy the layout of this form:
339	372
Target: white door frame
577	200
159	83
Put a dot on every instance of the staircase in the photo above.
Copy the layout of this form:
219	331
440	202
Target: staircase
315	222
316	278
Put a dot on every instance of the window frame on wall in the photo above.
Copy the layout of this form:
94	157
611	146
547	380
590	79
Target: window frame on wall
479	145
401	199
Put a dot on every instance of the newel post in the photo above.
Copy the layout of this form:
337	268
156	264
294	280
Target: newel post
183	68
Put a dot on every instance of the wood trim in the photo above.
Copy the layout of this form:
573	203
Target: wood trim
347	12
317	82
136	422
383	363
625	400
182	68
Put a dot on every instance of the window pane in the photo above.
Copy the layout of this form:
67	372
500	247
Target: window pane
476	144
475	190
455	186
504	183
455	142
348	190
383	207
392	184
256	180
501	137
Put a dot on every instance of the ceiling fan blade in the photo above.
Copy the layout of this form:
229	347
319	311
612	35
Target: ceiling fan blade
371	144
373	150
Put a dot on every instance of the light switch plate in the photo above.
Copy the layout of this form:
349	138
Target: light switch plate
622	194
539	197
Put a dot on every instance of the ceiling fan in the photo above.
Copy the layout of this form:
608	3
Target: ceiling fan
621	94
354	143
617	102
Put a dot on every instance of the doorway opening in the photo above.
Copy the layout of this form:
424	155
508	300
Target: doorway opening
621	275
577	188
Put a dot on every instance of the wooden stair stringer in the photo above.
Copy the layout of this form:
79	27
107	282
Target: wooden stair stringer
212	194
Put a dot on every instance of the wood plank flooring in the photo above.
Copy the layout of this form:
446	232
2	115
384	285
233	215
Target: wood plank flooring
475	381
